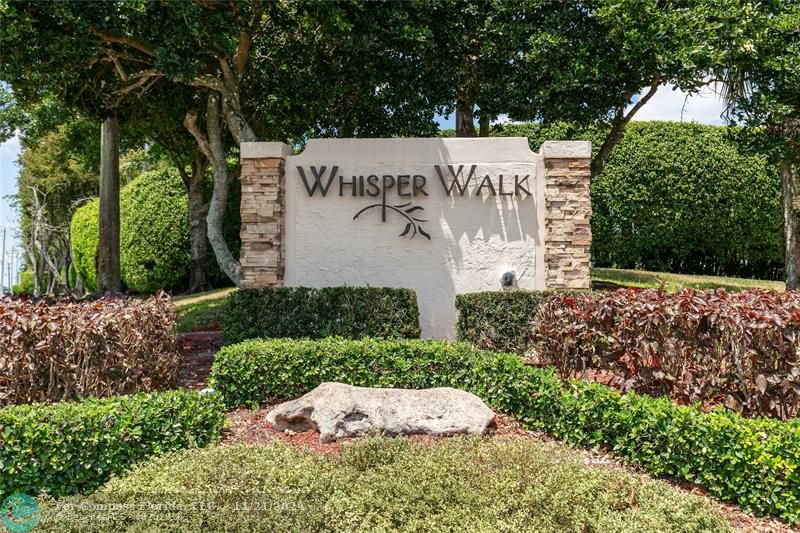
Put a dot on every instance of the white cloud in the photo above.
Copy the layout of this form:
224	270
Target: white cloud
670	103
11	147
9	152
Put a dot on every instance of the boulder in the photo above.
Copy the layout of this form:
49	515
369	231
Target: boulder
337	410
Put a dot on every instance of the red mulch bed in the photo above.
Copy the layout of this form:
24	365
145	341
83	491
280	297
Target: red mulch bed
251	427
198	350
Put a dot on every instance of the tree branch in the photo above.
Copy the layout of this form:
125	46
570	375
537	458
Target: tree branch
122	39
145	81
207	82
191	125
618	124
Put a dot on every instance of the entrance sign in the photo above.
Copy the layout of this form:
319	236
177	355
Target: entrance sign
441	216
405	185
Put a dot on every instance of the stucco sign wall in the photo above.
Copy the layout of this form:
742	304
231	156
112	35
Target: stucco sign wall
441	216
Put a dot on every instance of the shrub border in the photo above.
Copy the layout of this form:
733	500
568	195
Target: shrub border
753	462
71	447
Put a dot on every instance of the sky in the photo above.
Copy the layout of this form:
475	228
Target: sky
667	104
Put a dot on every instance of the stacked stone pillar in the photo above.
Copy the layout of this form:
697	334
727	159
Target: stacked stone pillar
262	211
567	214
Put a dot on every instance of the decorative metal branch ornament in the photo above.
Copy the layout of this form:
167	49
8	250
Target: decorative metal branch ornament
405	210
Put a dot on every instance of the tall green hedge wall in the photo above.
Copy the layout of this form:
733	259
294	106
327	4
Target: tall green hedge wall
681	197
154	235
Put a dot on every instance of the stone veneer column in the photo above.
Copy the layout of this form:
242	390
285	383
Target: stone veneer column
262	211
568	212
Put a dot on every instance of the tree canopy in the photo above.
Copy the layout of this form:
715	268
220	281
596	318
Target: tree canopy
197	77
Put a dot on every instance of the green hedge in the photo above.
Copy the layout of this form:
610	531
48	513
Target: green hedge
154	235
70	447
681	197
498	321
26	283
351	312
84	236
383	484
753	462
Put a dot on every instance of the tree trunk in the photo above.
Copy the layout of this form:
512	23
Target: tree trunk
108	269
465	118
198	228
216	215
618	124
213	148
34	265
791	222
485	124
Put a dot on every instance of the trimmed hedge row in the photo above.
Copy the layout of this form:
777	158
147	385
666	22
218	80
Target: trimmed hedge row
753	462
300	312
70	447
498	321
68	350
740	348
666	180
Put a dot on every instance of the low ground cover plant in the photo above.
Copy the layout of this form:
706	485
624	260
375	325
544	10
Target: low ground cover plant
300	312
384	485
741	349
753	462
72	447
73	349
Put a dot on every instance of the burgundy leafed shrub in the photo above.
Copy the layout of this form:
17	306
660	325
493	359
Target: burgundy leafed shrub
714	347
73	349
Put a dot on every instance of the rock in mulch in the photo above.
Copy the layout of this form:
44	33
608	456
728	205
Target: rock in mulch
338	411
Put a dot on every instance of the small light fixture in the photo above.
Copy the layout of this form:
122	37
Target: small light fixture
507	280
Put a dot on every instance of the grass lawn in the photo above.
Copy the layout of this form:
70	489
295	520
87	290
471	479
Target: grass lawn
201	311
641	278
378	484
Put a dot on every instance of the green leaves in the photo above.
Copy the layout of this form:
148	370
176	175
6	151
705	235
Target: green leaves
154	236
351	312
498	321
384	484
665	181
154	240
73	447
751	462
